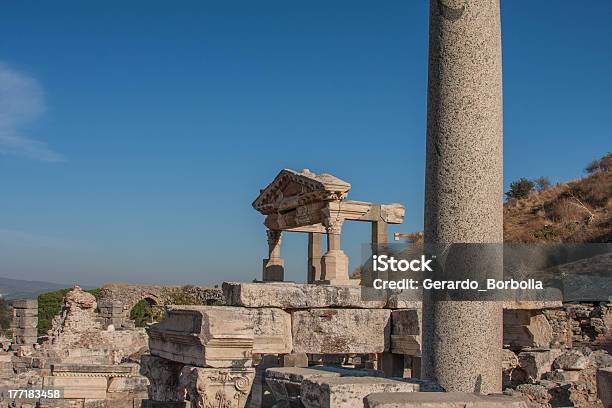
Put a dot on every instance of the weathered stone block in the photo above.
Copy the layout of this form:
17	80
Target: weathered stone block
79	387
128	384
348	392
214	387
440	400
295	360
272	331
163	376
526	328
204	336
406	332
24	340
25	321
323	331
163	404
26	332
536	363
286	295
604	386
25	312
25	304
571	360
108	370
404	299
286	382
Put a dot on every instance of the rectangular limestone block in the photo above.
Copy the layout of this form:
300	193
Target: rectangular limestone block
24	341
349	392
286	382
25	304
108	370
337	331
79	387
25	321
272	331
204	336
287	295
128	384
440	400
26	332
25	312
406	332
526	328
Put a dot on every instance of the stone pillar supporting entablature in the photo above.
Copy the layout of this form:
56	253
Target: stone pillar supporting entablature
316	204
335	263
274	265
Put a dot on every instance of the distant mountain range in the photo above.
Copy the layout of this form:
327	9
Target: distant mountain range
22	289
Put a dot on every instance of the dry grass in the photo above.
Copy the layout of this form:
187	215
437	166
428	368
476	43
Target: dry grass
577	211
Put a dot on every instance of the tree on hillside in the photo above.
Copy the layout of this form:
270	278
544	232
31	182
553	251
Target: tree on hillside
520	188
603	164
542	183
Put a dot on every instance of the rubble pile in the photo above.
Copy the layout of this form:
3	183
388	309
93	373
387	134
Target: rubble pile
557	360
92	364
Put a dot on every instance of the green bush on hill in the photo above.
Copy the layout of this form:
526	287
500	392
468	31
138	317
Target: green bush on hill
144	313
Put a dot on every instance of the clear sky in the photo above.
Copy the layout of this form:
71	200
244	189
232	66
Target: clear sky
134	135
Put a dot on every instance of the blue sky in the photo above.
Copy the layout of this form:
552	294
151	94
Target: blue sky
135	135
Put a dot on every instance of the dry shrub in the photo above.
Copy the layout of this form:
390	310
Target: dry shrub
594	190
567	210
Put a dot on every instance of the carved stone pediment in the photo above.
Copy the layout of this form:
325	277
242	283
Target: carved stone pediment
291	189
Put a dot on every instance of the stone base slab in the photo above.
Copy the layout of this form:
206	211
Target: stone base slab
287	295
348	392
440	400
286	382
79	387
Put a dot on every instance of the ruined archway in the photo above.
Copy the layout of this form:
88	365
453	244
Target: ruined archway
117	300
147	311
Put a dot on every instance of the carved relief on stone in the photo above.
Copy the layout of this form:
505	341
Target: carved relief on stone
291	189
217	388
333	225
274	237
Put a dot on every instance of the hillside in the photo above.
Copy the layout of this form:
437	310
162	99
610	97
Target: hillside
579	211
21	289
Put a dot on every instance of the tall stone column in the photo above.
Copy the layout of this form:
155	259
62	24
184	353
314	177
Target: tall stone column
314	256
463	189
274	265
334	264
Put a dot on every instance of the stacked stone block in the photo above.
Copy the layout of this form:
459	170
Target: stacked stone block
112	313
25	321
203	353
225	353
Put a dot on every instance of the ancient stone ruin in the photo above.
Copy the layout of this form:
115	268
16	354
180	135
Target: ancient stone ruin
322	344
316	204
